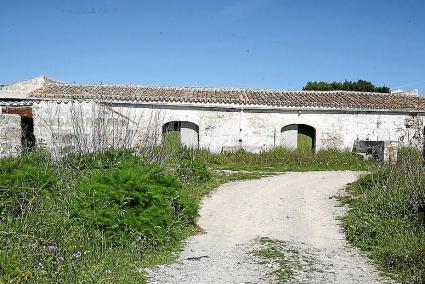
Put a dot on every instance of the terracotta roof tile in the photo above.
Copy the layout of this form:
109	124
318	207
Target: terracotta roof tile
282	98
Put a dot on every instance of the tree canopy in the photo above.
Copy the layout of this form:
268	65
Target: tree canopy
360	86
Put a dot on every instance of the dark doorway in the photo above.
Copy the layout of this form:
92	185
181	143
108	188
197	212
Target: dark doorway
27	125
27	137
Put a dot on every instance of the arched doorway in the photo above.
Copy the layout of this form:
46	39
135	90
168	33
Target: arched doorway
183	132
298	136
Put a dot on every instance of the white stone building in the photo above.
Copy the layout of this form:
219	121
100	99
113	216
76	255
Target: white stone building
66	117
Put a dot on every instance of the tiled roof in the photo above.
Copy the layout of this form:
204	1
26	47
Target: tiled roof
281	98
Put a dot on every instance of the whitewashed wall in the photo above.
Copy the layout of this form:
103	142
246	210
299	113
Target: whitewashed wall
253	130
10	135
288	136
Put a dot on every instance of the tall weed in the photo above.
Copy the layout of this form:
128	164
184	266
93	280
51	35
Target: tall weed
387	216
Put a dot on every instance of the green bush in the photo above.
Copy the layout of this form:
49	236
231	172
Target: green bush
133	197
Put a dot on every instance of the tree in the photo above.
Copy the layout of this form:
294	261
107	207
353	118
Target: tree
359	86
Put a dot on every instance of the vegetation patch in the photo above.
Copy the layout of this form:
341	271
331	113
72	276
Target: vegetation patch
282	159
387	216
98	218
134	197
104	217
273	254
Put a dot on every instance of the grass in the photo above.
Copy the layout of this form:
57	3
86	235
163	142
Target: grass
283	260
273	253
387	217
281	159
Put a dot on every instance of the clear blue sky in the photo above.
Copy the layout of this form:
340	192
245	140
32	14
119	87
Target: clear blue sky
223	43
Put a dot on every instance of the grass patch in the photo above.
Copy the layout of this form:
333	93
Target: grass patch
281	159
274	254
387	217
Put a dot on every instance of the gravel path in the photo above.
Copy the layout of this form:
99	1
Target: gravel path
297	208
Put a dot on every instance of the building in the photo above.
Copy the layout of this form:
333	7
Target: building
67	117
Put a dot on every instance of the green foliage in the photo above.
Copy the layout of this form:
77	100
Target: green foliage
359	86
387	216
89	218
193	170
103	217
172	147
104	160
281	159
22	181
133	197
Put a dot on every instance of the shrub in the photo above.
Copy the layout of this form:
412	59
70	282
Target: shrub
133	197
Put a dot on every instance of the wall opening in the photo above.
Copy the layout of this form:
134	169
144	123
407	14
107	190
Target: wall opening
370	148
27	138
184	133
27	125
298	136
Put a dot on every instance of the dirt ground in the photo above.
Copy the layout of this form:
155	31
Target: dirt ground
297	208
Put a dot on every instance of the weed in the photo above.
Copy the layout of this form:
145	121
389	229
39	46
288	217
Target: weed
273	253
387	217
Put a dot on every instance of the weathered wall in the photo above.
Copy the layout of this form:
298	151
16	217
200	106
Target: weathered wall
253	130
288	136
83	126
22	88
10	135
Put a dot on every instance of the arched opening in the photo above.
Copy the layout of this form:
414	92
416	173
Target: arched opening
184	133
298	136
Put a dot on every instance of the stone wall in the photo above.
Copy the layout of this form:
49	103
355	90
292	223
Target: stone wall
253	130
10	135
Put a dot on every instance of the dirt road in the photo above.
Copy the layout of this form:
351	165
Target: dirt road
297	208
